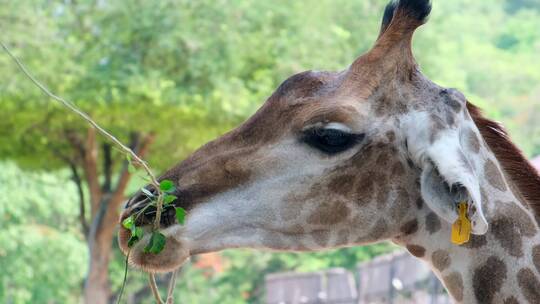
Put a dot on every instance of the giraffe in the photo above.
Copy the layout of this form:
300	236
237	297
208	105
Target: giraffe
374	152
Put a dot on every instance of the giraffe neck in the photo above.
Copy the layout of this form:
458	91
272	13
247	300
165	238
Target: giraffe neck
502	266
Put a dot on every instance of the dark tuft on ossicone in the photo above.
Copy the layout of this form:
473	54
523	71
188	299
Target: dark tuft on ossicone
417	9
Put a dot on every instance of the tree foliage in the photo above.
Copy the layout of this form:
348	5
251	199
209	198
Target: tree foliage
43	255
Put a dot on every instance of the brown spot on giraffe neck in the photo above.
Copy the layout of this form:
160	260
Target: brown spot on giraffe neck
365	190
440	259
488	279
398	169
342	184
475	242
494	175
529	284
416	250
454	284
536	257
508	235
329	213
382	193
433	224
519	217
409	227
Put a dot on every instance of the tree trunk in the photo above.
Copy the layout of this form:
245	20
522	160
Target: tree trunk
97	289
105	202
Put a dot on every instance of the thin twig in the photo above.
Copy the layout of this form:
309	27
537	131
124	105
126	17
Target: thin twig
85	116
172	283
126	266
153	286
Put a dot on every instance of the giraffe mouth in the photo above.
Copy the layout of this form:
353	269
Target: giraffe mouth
145	215
456	192
444	194
444	185
143	208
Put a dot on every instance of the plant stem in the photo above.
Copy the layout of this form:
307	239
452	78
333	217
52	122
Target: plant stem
155	290
125	278
172	284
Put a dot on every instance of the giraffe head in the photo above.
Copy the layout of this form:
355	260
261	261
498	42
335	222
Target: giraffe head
329	160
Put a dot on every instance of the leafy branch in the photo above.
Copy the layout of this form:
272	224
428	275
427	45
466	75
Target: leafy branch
163	188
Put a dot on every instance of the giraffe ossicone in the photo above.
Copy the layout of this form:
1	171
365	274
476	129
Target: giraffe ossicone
374	152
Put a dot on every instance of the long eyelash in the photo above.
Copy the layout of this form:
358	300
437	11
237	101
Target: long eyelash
313	137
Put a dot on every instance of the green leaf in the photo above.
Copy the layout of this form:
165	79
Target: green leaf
138	232
180	215
169	198
147	193
136	235
156	243
166	185
128	222
132	240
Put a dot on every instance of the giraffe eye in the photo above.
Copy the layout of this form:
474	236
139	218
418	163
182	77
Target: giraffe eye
331	141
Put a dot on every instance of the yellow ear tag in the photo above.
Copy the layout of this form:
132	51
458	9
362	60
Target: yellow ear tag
461	229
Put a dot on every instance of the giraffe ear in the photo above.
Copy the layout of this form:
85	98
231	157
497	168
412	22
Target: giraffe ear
447	179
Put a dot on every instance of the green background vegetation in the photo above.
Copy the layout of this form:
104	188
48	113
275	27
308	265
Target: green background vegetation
189	71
